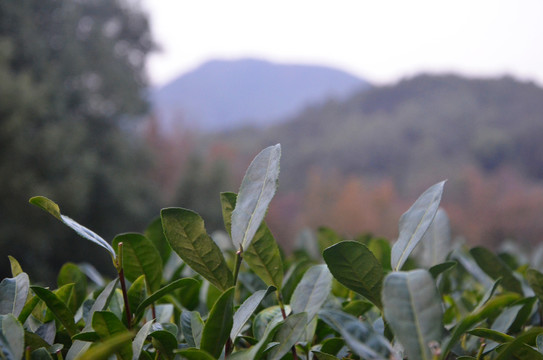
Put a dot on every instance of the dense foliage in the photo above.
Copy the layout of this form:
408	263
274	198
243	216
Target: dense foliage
71	84
179	296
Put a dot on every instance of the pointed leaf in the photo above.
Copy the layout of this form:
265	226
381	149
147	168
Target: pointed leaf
323	356
312	291
535	279
192	327
12	336
414	223
71	274
263	255
219	324
257	189
360	337
355	266
187	236
177	284
412	306
101	303
288	334
137	293
107	325
436	243
13	294
53	209
228	204
490	308
15	266
246	309
140	257
139	340
440	268
58	308
494	267
195	354
165	342
104	350
155	234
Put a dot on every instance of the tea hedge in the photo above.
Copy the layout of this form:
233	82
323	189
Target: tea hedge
180	294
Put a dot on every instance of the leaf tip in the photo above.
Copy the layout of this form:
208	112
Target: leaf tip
46	204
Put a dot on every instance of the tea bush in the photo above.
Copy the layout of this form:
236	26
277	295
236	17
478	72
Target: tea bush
180	294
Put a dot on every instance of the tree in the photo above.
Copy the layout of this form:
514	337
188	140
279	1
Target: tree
71	91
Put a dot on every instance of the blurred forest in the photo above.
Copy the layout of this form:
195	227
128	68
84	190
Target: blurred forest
71	85
75	127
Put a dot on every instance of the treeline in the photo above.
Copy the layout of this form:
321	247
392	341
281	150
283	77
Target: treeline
71	84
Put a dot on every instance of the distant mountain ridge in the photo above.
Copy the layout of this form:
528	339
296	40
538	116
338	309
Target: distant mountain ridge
223	94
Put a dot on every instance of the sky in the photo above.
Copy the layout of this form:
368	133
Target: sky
381	41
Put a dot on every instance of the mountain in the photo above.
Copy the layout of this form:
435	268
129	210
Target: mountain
221	94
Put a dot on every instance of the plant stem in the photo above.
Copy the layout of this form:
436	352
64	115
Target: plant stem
123	286
283	312
239	259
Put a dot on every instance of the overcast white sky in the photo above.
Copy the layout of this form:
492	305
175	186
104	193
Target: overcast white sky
380	40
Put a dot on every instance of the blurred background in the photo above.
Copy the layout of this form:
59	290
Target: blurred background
117	108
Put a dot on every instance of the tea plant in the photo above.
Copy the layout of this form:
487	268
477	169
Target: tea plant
178	295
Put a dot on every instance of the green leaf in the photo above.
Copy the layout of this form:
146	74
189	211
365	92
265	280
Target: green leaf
16	268
381	249
263	255
519	349
165	342
48	205
101	303
219	324
155	234
355	266
228	204
187	236
412	306
494	267
177	284
139	340
360	337
440	268
256	191
105	349
414	223
271	315
13	294
288	334
194	354
107	325
491	335
71	274
53	209
58	308
535	279
41	354
327	237
137	293
312	291
28	308
140	257
323	356
91	336
246	309
192	327
489	308
11	336
436	243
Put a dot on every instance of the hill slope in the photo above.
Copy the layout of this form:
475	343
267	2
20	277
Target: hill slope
225	94
426	127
